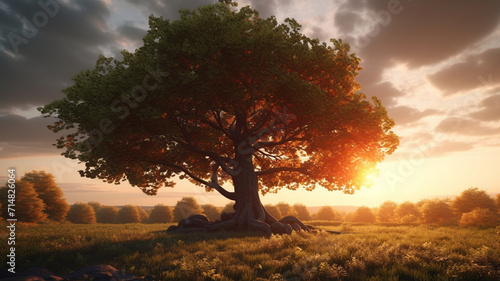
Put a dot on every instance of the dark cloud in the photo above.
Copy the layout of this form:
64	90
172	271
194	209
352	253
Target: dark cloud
404	115
22	137
414	33
467	127
37	62
489	109
475	72
167	8
131	32
425	32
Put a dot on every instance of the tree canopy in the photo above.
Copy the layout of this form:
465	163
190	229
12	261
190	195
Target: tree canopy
222	95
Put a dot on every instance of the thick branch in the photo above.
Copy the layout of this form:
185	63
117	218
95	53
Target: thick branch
213	184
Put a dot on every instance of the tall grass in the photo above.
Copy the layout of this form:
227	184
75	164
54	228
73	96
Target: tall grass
367	253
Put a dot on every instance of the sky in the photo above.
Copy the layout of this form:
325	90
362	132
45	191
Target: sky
434	64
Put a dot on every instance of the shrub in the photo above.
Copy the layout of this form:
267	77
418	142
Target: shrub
29	207
363	214
128	214
45	186
144	216
185	208
211	212
107	214
160	214
438	212
386	212
302	212
407	212
81	213
274	211
479	217
326	213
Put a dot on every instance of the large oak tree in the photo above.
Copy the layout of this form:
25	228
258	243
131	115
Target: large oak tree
224	96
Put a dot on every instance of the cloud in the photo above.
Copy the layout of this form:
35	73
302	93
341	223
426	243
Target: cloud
36	67
466	127
475	72
447	147
22	137
167	8
404	115
490	109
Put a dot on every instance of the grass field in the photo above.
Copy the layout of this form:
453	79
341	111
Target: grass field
369	253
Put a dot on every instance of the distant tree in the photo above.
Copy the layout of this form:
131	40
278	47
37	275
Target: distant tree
81	213
222	95
186	207
479	217
407	212
107	214
274	211
228	208
497	199
471	199
45	185
211	212
386	212
437	212
142	214
302	212
284	208
128	214
326	213
29	207
95	205
363	214
160	214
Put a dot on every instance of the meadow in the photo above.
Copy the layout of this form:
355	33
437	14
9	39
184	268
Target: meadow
367	252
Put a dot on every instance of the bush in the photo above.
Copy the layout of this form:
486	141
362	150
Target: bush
437	212
107	214
186	207
160	214
81	213
326	213
211	212
45	186
29	207
479	217
363	214
128	214
144	216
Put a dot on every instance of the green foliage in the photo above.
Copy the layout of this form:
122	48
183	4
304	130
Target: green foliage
81	213
363	214
160	214
28	206
368	253
128	214
107	214
44	184
220	81
186	207
326	213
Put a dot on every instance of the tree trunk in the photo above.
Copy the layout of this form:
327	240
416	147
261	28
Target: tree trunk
250	214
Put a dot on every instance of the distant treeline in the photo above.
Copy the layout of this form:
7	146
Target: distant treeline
38	198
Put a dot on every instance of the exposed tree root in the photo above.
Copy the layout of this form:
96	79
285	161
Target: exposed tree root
240	221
